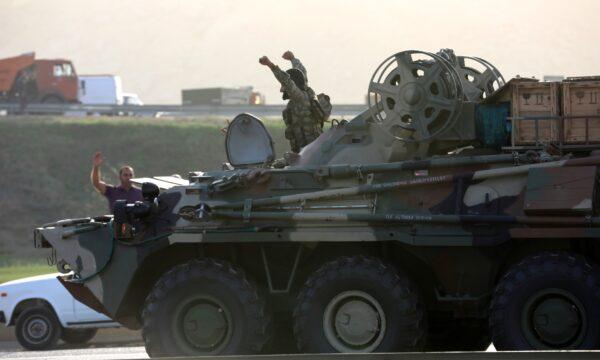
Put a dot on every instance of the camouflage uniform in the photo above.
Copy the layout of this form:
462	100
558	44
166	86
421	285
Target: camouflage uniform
301	126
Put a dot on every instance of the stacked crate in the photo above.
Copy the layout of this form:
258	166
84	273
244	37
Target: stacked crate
535	110
564	113
581	110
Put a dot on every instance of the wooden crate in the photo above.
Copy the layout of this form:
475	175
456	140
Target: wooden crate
536	99
581	99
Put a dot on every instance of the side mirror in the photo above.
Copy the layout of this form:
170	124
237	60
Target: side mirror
149	191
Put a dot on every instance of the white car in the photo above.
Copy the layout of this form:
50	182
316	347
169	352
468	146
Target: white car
43	311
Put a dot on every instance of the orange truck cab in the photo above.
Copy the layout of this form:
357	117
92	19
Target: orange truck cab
23	78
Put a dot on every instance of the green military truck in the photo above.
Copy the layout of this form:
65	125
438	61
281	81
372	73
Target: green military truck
431	221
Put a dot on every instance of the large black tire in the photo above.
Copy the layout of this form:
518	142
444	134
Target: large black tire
37	328
359	304
459	335
53	99
205	307
547	301
77	336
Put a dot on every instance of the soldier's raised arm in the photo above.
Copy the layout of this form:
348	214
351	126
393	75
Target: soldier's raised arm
296	63
284	79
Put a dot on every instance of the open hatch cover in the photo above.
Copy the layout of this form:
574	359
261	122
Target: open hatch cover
248	142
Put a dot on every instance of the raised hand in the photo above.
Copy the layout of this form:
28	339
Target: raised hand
288	55
98	159
265	61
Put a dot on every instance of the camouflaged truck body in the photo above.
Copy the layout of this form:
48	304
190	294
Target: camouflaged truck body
459	216
454	223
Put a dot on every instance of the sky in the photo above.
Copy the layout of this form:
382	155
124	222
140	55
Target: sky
159	47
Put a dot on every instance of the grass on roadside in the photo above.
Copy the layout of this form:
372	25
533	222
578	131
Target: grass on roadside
18	271
45	165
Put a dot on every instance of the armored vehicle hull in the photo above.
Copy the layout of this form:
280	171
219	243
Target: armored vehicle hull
385	234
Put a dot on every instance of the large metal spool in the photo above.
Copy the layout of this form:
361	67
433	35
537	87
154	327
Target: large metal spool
478	77
416	95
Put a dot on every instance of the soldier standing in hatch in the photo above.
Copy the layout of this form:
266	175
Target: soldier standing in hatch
302	126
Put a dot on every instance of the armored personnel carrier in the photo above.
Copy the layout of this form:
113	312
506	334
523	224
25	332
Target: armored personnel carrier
434	220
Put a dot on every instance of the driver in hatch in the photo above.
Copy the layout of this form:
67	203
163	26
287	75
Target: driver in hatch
125	191
303	122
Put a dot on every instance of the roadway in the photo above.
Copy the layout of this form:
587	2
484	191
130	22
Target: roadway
134	350
94	351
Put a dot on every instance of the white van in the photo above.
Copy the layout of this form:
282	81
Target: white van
100	89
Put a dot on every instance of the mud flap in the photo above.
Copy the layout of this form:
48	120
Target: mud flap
83	295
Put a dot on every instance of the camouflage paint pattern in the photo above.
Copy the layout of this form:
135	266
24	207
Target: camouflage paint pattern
354	207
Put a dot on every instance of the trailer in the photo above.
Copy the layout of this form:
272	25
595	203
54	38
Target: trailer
222	96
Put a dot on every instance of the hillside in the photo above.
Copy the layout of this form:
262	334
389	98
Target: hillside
45	164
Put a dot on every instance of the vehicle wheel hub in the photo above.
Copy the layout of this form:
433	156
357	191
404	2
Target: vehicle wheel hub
555	318
37	329
205	325
354	321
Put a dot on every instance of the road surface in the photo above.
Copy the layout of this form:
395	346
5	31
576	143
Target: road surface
96	351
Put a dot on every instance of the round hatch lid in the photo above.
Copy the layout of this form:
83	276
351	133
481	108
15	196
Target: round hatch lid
248	142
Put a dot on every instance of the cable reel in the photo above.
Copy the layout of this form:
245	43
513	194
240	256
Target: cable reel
478	77
478	85
415	95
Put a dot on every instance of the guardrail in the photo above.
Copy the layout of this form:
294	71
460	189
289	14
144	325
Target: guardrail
342	110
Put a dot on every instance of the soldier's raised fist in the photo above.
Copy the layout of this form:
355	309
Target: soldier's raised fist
288	55
265	61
